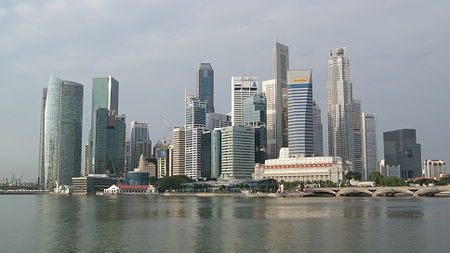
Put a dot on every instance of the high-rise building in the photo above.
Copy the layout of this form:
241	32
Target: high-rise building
280	66
86	153
107	134
139	143
401	148
433	168
41	172
162	158
274	117
340	100
216	153
62	133
217	120
178	151
368	145
318	130
242	87
300	112
195	117
206	154
205	85
237	153
255	117
357	137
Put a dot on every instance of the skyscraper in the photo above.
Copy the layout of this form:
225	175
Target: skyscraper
318	130
280	66
216	153
401	148
300	112
140	143
255	117
41	172
205	85
217	120
107	134
340	99
63	118
178	151
357	137
242	87
237	153
195	116
368	145
274	118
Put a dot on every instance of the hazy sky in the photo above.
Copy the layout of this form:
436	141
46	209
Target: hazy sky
398	50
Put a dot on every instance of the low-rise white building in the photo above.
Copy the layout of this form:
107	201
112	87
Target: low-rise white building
293	168
387	170
433	168
129	189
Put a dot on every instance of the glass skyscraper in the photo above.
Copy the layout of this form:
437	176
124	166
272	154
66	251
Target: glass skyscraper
140	143
108	129
401	148
205	85
255	117
61	133
300	112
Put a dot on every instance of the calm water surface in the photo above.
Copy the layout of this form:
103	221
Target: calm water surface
222	224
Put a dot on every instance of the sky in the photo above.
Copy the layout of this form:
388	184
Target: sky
398	51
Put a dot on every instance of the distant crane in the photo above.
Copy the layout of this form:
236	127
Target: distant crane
169	129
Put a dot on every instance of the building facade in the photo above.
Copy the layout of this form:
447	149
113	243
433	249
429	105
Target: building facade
62	133
280	66
255	117
433	168
178	151
357	137
195	121
318	129
340	101
216	166
401	148
217	120
368	145
290	168
140	143
205	85
242	87
237	153
274	117
300	112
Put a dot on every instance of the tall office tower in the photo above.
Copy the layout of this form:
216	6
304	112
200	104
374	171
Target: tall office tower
205	85
206	154
280	66
216	153
107	134
357	136
368	145
238	153
340	99
86	159
195	116
217	120
63	118
178	151
300	112
139	143
41	167
401	148
274	118
318	130
127	152
242	87
255	117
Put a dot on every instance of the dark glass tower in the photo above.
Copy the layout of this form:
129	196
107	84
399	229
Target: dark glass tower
205	85
401	148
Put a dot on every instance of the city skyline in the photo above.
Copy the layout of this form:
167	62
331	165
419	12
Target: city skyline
381	91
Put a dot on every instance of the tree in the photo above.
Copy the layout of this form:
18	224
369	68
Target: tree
376	177
152	180
171	183
392	181
353	175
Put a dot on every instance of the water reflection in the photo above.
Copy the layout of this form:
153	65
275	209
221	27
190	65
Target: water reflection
229	224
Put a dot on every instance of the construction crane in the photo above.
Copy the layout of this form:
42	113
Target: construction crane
169	128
